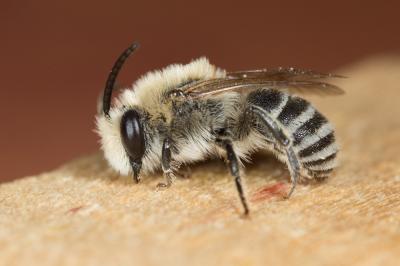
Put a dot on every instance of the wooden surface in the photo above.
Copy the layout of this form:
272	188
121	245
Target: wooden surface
85	214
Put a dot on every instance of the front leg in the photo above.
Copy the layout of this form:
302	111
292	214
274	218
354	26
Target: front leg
136	166
166	164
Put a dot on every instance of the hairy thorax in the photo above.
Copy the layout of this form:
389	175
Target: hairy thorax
195	126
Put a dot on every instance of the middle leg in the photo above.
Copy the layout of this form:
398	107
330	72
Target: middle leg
234	168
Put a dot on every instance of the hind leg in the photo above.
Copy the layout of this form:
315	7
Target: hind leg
292	160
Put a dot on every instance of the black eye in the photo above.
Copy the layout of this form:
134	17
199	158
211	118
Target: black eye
132	135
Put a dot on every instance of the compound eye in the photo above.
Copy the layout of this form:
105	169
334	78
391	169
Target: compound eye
132	135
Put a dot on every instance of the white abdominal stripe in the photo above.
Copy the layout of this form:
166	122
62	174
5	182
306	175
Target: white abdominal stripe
275	112
301	119
312	135
324	154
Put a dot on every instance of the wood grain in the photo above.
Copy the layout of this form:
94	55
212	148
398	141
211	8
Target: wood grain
85	214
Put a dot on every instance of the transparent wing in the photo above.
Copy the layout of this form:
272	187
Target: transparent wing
290	79
282	74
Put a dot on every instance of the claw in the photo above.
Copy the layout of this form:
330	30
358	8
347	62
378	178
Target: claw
291	191
163	185
136	179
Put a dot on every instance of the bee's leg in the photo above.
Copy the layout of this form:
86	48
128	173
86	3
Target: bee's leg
166	165
136	166
233	164
283	140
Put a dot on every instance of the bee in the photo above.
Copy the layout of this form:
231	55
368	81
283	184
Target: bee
188	113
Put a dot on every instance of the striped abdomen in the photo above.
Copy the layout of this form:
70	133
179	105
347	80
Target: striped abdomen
311	134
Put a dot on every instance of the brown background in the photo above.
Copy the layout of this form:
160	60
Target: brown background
55	56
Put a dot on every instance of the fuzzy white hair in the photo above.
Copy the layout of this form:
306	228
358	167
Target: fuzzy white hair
146	92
